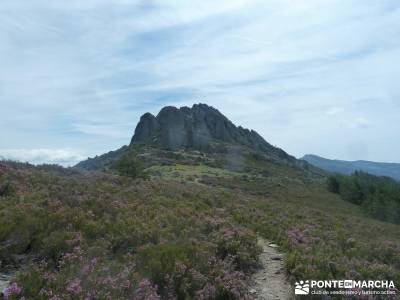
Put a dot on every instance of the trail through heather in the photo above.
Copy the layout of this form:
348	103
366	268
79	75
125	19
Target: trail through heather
270	282
4	282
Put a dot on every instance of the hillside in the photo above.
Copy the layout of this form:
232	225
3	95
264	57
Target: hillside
378	196
169	218
347	167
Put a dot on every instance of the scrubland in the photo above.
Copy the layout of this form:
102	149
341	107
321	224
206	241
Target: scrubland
180	232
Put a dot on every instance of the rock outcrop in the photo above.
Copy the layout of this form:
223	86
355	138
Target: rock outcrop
201	127
196	128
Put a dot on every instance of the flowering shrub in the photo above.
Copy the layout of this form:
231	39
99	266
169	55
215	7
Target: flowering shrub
12	291
146	291
239	244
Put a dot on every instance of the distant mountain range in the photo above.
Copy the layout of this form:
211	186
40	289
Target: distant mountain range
348	167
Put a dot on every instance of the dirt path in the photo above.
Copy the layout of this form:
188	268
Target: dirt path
270	281
4	282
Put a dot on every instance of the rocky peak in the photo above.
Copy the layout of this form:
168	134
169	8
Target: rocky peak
147	126
195	128
200	127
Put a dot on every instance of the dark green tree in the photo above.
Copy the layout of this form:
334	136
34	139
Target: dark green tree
129	165
378	196
333	184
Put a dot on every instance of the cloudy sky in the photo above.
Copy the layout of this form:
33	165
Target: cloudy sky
311	76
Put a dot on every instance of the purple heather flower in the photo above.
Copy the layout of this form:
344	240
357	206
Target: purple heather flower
13	289
75	287
146	291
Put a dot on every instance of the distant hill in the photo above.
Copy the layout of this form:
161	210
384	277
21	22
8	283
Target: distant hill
347	167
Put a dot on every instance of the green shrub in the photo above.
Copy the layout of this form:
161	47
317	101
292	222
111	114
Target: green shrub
170	267
129	165
6	188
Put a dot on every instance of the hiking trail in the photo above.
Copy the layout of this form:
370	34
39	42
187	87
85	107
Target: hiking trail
270	282
5	279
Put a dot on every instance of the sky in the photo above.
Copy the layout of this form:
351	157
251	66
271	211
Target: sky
311	76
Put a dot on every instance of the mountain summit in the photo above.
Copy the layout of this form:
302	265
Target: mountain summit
196	128
200	128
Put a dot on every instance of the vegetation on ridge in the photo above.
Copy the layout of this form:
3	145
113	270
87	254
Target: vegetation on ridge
378	196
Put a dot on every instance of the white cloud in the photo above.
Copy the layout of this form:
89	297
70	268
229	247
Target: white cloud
64	157
334	110
361	123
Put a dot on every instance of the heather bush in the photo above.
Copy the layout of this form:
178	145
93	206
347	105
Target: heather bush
239	244
169	268
12	291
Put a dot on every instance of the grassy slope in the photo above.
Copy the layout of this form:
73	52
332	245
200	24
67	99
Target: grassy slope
191	230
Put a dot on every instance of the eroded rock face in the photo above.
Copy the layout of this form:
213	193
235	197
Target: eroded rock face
174	133
147	127
194	128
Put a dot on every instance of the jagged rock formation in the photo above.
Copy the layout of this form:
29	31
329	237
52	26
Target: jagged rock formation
195	128
200	127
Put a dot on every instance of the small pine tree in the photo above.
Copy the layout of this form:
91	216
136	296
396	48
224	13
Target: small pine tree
333	184
129	165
